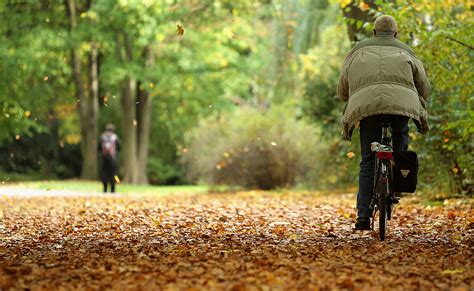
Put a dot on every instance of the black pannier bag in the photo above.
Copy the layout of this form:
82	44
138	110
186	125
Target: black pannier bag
405	171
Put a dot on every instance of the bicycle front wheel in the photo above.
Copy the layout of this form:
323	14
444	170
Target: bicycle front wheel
383	196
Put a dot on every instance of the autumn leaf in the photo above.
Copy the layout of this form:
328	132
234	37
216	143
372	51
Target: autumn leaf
242	240
350	155
450	272
344	3
364	6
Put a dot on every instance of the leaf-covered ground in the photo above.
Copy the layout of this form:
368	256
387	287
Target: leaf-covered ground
241	241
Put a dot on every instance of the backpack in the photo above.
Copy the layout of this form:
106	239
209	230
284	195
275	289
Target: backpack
109	146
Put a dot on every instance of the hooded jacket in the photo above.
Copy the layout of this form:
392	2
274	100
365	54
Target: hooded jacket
382	75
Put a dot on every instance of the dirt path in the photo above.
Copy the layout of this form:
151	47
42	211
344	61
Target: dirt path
20	192
243	241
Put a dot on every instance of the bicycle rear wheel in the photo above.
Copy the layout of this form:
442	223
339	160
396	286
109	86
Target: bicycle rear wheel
383	196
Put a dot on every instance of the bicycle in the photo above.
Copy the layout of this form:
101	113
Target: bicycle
384	197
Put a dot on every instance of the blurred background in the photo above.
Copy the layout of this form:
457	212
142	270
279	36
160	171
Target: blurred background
218	92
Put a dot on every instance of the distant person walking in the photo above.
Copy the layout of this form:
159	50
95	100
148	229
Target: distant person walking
109	147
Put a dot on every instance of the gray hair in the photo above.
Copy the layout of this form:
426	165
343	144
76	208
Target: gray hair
385	23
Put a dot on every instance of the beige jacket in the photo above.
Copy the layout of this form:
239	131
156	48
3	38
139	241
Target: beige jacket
382	75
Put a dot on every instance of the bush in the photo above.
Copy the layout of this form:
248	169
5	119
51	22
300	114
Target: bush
252	149
160	173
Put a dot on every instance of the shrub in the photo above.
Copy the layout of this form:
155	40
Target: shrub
160	173
252	149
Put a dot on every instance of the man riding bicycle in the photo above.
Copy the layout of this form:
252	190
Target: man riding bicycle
381	80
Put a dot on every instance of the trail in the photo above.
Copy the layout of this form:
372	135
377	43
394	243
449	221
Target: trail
20	192
241	241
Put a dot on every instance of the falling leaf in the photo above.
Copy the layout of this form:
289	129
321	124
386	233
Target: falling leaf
179	29
135	122
455	170
45	78
27	113
17	137
117	179
273	143
350	155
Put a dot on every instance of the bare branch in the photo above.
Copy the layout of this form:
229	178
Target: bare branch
461	43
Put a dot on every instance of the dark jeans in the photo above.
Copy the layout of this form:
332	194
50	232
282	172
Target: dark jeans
370	131
108	173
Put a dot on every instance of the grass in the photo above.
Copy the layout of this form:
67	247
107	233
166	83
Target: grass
15	177
95	186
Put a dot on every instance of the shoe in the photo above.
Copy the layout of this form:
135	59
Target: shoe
362	223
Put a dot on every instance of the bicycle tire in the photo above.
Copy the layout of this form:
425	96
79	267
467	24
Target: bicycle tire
383	195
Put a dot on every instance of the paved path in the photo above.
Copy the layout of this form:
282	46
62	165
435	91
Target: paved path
20	192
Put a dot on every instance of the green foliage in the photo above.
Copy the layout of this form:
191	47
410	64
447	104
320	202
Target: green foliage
31	44
164	174
440	33
40	156
320	71
252	148
204	70
256	54
320	65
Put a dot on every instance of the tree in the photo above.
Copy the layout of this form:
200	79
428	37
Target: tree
87	96
358	14
440	34
185	77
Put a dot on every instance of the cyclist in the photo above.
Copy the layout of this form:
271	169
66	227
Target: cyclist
381	79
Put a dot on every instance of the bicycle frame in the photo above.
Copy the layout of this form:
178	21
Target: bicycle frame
381	200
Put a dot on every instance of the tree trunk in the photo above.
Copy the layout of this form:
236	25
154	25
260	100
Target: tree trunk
90	130
353	11
87	102
144	108
129	151
129	111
